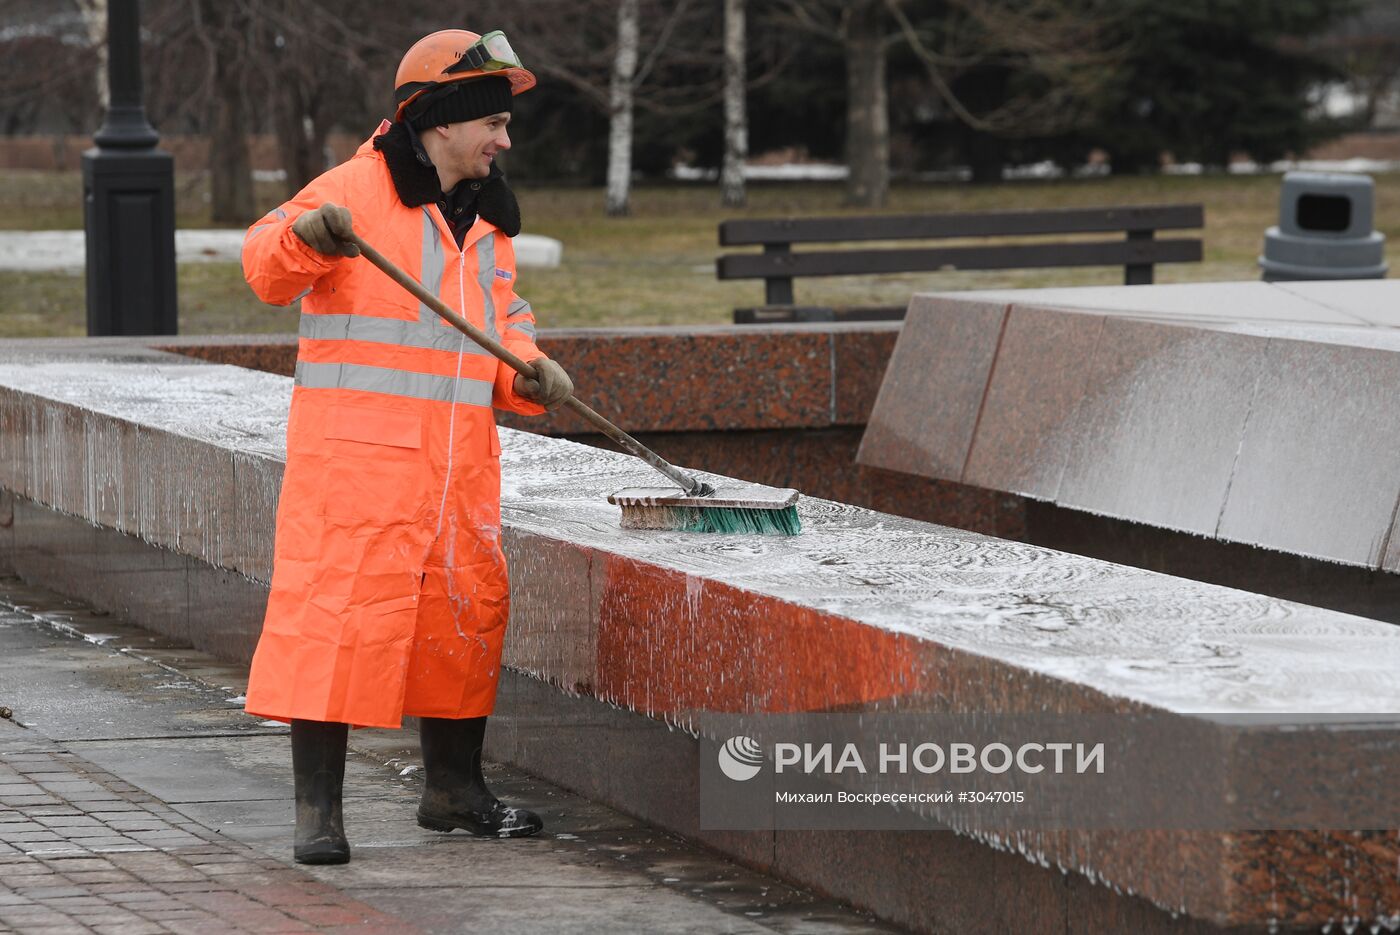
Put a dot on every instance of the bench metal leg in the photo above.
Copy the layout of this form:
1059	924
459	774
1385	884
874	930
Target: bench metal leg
778	289
1138	274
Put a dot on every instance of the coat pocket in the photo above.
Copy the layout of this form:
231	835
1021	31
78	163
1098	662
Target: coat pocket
374	473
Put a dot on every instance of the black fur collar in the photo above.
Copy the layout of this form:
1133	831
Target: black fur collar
416	180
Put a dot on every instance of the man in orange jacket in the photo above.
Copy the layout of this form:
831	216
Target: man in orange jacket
389	590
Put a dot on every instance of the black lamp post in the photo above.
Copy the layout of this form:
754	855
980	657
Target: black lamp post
128	200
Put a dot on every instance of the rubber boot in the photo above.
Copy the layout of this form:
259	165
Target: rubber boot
318	766
455	795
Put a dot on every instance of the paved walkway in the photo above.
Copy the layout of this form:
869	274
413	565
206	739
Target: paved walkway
136	796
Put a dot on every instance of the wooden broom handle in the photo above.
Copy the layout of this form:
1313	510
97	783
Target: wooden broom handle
691	485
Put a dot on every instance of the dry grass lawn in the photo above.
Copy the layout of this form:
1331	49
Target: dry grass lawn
657	266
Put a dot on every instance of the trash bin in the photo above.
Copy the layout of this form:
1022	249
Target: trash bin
1325	229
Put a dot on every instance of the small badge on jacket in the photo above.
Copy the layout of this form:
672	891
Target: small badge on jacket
503	273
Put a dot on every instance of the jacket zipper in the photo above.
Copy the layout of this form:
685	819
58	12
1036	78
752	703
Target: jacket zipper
456	383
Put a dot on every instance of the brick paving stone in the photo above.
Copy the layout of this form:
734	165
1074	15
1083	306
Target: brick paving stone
19	827
109	889
111	914
23	801
371	928
25	867
73	903
183	914
190	886
89	878
154	899
31	915
181	927
328	915
78	864
47	891
149	823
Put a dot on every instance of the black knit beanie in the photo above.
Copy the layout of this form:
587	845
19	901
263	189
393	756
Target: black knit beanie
461	101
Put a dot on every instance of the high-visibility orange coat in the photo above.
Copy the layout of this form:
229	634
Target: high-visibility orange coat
389	589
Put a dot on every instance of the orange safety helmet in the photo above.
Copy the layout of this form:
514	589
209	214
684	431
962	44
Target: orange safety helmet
437	59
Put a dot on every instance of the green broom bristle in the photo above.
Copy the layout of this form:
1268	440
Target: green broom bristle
736	520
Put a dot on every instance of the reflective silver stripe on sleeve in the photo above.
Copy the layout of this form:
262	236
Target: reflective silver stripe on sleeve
486	278
258	228
433	262
526	328
394	382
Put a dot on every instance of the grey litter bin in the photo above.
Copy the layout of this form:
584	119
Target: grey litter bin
1325	229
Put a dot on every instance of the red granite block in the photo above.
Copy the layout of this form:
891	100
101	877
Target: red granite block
1036	386
1156	435
270	353
670	643
860	357
1319	465
926	414
552	634
693	378
1314	878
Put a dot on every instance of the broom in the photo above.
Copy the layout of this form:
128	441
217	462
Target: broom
695	507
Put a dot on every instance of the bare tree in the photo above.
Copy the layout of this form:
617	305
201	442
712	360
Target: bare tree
736	121
622	57
46	70
222	29
1056	41
94	14
1367	49
620	108
867	104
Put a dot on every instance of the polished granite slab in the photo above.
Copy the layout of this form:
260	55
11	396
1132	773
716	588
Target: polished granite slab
1255	413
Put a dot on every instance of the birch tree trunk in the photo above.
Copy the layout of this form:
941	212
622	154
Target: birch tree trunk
94	14
620	107
867	108
736	118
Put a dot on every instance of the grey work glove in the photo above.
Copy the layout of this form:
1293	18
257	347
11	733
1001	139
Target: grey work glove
323	230
550	388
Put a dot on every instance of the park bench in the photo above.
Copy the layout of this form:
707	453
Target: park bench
778	265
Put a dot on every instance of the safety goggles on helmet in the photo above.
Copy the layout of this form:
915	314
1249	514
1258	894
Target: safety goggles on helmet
492	52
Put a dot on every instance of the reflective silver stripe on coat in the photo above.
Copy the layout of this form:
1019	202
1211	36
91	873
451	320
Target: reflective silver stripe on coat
394	382
434	261
377	330
486	278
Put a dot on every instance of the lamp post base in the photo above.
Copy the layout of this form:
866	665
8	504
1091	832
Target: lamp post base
129	213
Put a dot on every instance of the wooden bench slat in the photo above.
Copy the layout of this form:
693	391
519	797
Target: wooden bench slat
934	259
744	231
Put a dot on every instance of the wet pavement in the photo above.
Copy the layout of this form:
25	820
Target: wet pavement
136	796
